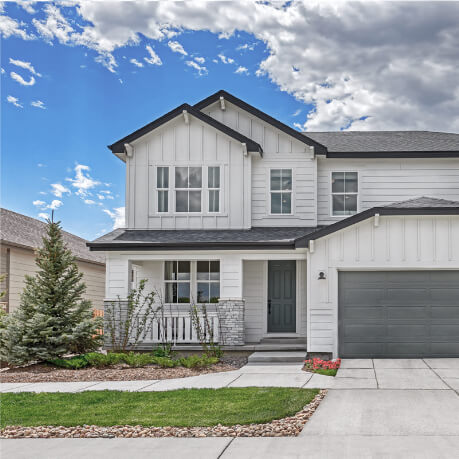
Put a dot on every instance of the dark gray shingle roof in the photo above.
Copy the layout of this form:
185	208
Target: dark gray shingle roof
210	239
423	203
386	141
22	231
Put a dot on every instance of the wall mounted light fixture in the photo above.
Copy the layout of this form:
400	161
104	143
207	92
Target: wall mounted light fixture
321	275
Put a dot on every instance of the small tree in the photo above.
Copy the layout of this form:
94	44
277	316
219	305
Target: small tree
53	319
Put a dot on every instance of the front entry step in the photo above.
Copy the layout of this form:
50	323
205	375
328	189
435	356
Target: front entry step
279	357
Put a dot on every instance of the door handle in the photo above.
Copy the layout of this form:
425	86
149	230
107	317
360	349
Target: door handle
269	306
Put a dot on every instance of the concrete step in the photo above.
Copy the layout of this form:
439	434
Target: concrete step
284	341
282	357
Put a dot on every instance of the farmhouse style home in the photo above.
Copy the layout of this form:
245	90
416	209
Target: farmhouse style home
340	243
20	236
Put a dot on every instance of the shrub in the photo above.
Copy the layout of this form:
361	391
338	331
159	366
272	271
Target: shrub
95	359
319	364
73	363
166	362
196	361
163	350
137	360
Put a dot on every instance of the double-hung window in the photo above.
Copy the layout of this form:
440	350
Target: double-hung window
344	188
208	281
188	189
281	191
177	278
162	186
213	185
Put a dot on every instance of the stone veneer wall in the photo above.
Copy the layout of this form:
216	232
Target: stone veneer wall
231	318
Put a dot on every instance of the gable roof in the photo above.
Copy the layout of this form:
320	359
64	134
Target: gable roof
416	206
118	146
387	144
318	147
25	232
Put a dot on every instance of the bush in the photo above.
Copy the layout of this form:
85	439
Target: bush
137	360
95	359
163	351
196	361
165	362
73	363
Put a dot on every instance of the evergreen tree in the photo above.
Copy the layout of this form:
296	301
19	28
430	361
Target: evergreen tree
53	319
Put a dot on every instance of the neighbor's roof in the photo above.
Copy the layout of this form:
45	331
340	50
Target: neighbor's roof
254	238
26	232
348	144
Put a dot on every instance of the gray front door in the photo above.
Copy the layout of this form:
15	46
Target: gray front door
398	314
282	296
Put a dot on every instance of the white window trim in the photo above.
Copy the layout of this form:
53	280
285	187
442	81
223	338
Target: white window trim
162	189
331	193
207	189
292	192
202	190
193	279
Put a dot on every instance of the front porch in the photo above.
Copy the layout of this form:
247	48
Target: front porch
253	301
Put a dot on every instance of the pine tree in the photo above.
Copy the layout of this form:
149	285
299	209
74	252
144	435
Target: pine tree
53	319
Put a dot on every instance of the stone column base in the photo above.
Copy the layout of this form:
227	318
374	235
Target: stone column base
231	321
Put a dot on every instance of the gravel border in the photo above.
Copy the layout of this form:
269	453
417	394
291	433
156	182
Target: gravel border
121	372
285	427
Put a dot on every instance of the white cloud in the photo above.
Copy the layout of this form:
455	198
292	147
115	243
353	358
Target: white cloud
55	204
154	59
9	27
58	189
43	193
136	63
39	203
15	76
117	215
43	215
41	165
201	60
25	65
14	101
27	6
297	112
241	70
89	201
246	47
226	60
176	47
38	104
2	70
202	70
101	196
83	182
360	65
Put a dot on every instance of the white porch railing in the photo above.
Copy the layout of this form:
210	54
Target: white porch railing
177	328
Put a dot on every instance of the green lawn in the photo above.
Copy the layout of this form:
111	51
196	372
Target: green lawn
186	407
326	372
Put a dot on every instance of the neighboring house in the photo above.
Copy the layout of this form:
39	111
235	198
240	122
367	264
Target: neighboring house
20	236
349	240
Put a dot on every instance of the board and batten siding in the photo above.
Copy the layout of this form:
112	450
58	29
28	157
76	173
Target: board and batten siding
383	181
397	243
22	263
279	151
194	144
255	294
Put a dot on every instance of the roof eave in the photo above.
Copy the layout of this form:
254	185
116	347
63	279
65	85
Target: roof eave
392	154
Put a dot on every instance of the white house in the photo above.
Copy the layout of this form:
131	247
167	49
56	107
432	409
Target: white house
344	243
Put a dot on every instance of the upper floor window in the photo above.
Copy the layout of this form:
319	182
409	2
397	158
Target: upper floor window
213	184
188	189
281	191
344	188
162	186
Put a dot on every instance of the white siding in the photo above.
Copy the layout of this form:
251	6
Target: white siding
382	181
193	144
398	243
279	151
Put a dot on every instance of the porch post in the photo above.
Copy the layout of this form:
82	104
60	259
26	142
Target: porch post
231	305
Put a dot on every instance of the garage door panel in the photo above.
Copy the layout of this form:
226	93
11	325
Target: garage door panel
398	314
403	312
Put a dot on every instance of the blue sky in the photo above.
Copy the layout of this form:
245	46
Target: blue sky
76	78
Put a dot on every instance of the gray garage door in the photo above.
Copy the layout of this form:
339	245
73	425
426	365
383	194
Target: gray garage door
398	314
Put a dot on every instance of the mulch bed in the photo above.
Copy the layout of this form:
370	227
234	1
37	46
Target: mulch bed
121	372
286	427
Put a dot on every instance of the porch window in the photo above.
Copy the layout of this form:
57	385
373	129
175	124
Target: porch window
177	277
213	184
208	281
344	189
188	187
162	186
281	191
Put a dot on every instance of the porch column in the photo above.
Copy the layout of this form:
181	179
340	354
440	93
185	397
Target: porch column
231	305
